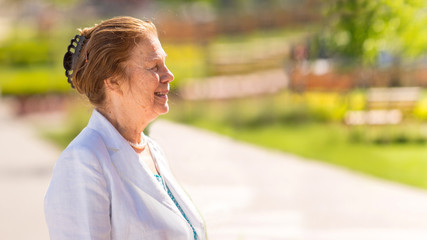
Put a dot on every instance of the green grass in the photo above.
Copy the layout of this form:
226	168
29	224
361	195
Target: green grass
405	163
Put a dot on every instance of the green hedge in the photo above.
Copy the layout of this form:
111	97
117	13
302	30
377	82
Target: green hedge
26	52
32	80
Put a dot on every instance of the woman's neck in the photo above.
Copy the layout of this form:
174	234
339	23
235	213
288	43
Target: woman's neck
130	128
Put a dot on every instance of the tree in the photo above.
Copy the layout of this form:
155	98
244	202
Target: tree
361	29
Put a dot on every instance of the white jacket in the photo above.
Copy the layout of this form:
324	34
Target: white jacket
100	190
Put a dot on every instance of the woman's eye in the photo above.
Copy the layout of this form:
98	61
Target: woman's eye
155	68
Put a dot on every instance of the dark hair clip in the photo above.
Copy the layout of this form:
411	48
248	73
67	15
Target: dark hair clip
70	58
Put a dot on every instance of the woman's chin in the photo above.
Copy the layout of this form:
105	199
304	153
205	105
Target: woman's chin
162	109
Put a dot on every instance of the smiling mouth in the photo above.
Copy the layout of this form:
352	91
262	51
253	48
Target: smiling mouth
161	94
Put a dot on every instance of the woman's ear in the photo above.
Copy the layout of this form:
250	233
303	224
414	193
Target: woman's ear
113	85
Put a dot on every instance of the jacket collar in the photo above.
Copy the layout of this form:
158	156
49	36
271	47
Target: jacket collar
127	162
112	138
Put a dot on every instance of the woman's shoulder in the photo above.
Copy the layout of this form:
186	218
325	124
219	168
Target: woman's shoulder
86	147
87	139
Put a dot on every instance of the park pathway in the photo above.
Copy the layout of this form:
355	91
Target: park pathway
244	192
249	193
25	168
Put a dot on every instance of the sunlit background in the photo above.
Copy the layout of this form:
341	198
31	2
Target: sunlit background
340	82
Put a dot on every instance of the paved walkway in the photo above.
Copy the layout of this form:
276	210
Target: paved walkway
244	192
25	167
248	193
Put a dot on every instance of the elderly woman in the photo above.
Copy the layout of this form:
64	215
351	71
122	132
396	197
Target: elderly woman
112	181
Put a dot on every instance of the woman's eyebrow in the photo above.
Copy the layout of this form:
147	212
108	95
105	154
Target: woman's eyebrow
155	58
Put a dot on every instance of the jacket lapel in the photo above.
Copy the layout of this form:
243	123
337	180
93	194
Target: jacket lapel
180	195
126	161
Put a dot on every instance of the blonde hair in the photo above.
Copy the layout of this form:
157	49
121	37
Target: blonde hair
107	47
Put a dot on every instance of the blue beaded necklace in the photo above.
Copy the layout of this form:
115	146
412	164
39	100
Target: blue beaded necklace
166	188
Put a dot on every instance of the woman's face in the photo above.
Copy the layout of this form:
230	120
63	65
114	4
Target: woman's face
145	95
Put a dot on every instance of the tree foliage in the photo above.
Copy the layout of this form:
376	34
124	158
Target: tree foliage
361	29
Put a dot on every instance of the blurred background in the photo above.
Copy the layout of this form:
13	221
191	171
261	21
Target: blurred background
340	82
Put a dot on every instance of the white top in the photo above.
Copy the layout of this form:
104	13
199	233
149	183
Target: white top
100	190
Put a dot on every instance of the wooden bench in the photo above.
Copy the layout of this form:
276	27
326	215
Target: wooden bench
402	98
385	106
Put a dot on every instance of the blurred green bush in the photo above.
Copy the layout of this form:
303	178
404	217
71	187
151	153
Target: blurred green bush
186	61
31	62
32	80
409	134
26	52
283	108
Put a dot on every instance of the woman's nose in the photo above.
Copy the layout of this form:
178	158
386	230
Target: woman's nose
167	76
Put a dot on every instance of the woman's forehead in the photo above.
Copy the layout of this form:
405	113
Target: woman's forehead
150	49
